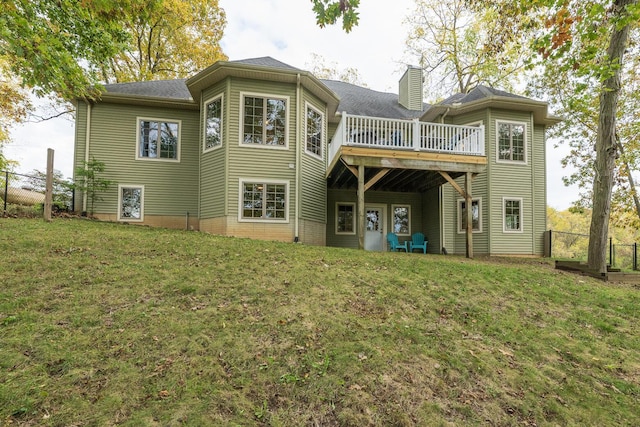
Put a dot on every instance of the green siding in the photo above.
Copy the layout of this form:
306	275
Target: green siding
431	219
171	188
340	240
525	181
449	218
454	241
415	200
313	182
259	163
513	181
80	146
539	189
213	165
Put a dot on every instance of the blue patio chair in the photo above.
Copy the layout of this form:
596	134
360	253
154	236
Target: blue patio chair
418	242
394	244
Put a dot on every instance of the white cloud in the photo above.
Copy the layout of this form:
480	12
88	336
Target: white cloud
286	30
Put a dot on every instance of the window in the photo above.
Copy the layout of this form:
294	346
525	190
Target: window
512	215
511	142
345	218
264	201
158	139
213	124
476	215
265	120
315	126
401	217
130	203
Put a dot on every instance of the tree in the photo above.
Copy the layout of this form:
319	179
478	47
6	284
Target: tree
570	39
90	182
14	105
61	190
460	48
168	39
332	71
606	143
57	46
328	12
575	98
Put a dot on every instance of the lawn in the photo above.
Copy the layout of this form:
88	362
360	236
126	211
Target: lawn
109	324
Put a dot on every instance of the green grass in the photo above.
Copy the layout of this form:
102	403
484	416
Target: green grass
107	324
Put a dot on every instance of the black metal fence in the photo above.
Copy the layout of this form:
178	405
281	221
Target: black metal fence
23	195
574	246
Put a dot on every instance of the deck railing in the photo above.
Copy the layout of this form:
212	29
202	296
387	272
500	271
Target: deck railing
374	132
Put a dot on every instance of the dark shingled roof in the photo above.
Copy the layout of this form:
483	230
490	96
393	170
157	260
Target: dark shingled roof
353	99
477	93
366	102
170	89
265	61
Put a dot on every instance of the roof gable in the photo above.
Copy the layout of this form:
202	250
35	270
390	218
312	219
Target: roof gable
265	61
362	101
174	89
477	93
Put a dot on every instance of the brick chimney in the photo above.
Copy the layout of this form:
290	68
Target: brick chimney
410	93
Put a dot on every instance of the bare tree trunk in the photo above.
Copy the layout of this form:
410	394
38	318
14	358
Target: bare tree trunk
606	146
632	185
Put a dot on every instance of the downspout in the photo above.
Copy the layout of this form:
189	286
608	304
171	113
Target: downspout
86	151
442	224
298	165
444	115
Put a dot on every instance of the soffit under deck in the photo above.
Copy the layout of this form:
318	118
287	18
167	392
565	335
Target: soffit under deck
408	174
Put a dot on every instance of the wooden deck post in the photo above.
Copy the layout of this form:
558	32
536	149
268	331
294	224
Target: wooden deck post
361	210
468	201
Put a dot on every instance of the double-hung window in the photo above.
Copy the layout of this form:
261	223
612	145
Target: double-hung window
512	215
264	201
130	202
158	139
264	121
511	142
213	123
314	129
345	218
476	215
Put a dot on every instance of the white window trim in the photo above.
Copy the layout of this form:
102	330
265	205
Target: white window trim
526	143
159	120
242	181
204	123
286	123
120	218
346	233
459	215
504	215
393	209
323	139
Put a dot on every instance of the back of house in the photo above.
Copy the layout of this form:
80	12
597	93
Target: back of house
257	148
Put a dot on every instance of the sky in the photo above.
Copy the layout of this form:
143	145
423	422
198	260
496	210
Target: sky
286	30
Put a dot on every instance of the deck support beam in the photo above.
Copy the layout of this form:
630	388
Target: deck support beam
376	178
468	177
361	209
468	201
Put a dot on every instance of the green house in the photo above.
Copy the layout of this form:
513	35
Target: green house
257	148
